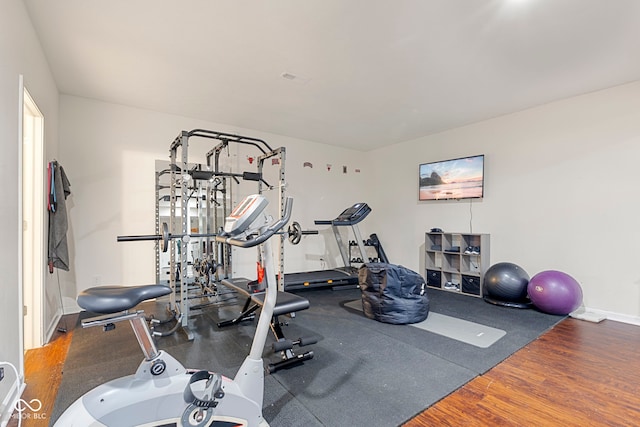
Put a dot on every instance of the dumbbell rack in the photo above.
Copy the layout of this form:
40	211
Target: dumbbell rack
357	260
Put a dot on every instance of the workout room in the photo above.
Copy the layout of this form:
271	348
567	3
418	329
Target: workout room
440	194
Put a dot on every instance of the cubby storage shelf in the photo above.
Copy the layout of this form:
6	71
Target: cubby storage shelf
456	262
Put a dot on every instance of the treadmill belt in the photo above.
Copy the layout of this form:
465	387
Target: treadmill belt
321	278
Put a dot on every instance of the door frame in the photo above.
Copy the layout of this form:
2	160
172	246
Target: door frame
32	214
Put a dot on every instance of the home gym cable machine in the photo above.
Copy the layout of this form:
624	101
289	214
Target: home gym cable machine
176	234
218	196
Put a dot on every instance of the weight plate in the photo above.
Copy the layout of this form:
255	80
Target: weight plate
295	233
165	237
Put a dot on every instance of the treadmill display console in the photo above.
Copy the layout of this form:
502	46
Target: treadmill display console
349	216
353	215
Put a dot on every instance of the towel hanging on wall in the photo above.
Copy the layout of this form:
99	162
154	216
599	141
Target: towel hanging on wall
58	191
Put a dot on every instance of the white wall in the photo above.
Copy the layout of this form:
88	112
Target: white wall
109	154
20	53
560	186
561	192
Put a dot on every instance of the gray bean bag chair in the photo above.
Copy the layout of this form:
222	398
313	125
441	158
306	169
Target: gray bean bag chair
392	293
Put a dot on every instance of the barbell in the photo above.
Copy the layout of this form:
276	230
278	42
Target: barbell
294	234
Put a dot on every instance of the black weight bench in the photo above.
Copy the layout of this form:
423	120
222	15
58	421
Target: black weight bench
286	304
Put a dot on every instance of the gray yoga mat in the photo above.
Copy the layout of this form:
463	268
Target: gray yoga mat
451	327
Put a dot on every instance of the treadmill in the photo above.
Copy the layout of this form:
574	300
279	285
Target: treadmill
341	276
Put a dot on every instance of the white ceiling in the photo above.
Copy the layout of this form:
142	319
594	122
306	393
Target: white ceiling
368	73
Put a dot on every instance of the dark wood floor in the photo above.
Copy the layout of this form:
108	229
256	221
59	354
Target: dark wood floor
577	374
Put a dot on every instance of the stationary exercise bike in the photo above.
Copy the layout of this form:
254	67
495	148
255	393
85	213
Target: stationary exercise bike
162	393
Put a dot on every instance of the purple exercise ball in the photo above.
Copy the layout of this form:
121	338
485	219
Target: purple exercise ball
554	292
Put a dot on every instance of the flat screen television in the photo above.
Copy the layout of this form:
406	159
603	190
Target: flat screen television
461	178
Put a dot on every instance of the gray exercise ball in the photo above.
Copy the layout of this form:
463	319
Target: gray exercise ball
506	281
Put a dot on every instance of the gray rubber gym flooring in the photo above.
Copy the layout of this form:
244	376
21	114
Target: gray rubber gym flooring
364	373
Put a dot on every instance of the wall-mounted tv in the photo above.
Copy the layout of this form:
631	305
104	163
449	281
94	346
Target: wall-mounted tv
461	178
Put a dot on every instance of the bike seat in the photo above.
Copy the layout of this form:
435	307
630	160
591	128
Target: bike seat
113	299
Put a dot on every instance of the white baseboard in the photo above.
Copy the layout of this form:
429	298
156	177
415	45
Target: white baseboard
592	313
75	308
52	326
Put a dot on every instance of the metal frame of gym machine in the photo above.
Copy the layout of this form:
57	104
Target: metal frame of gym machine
179	304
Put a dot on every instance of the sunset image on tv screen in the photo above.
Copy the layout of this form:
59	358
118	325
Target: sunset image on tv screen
452	179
